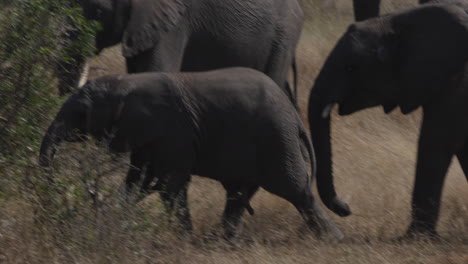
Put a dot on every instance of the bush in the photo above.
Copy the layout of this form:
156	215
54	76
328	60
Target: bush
72	206
33	41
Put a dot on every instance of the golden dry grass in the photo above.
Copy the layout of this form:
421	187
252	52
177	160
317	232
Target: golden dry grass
374	161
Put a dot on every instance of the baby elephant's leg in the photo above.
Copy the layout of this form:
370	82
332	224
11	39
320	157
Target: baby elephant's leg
174	197
138	165
314	216
296	189
152	181
237	200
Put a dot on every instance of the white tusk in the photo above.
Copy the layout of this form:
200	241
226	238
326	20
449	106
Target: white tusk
326	111
84	74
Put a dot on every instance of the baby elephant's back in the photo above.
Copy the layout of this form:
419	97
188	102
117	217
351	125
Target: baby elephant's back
238	96
243	88
243	117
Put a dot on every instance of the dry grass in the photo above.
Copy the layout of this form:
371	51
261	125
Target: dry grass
374	167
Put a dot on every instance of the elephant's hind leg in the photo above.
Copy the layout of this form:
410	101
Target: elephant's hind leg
314	216
299	193
237	199
278	67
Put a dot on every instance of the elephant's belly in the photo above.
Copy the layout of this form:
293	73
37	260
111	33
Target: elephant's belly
207	53
229	166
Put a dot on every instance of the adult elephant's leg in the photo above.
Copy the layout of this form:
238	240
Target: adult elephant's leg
279	62
237	199
364	9
435	152
166	56
174	196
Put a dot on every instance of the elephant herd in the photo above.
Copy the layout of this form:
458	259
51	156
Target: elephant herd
208	95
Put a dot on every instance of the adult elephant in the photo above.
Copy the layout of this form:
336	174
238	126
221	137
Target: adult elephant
188	35
365	9
416	57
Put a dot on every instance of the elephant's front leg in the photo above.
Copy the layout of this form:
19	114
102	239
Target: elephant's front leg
278	67
174	196
438	142
138	164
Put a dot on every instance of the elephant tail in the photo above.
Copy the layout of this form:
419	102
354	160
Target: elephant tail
291	92
309	150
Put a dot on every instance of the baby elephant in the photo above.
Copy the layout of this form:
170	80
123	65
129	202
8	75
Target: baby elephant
232	125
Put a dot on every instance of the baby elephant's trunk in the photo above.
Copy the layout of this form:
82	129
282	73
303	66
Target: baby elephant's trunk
49	144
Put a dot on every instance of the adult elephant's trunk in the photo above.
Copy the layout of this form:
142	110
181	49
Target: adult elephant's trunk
55	134
319	121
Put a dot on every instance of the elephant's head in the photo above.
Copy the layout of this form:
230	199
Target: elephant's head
90	111
113	16
401	59
137	24
121	111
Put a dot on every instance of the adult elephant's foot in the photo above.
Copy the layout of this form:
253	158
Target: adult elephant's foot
185	231
419	232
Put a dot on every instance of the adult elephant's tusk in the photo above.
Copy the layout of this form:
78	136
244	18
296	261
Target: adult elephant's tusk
326	110
84	74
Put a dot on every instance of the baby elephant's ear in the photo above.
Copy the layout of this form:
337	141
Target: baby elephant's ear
149	19
387	50
137	122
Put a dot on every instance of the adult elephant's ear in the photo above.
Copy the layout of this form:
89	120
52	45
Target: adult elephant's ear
148	20
433	47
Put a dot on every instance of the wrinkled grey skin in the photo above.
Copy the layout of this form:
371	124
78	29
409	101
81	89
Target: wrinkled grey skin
199	35
416	57
233	125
